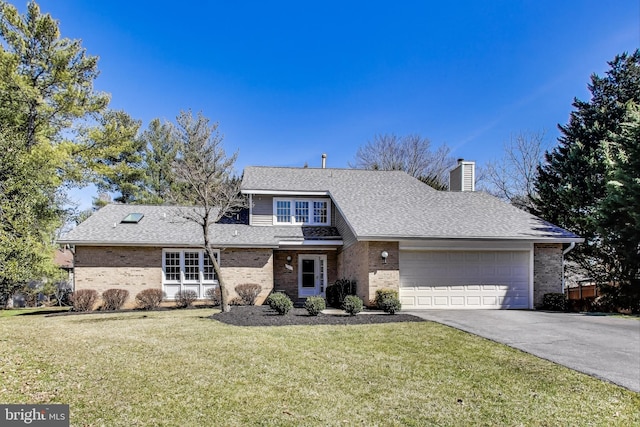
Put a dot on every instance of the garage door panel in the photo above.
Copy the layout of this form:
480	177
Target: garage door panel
464	279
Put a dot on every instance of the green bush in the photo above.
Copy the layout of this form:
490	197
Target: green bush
387	300
186	298
352	305
382	294
337	292
149	299
280	302
554	302
314	305
248	292
114	299
84	299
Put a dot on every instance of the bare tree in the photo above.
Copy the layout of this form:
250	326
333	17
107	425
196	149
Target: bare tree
411	153
212	190
512	178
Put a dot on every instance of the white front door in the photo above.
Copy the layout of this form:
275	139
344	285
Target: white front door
312	275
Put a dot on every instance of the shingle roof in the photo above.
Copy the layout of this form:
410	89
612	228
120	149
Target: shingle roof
392	204
166	226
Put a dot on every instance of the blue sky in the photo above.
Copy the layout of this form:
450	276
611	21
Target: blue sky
288	81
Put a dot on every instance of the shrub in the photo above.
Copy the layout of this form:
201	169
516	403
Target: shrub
84	299
384	293
280	302
149	298
185	298
337	292
352	305
314	305
554	302
213	295
248	292
114	299
387	300
391	305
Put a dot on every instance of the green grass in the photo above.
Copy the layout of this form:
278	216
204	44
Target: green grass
180	368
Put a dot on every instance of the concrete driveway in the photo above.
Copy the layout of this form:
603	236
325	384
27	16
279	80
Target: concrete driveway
606	347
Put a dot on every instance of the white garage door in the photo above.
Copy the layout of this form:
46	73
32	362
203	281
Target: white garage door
464	279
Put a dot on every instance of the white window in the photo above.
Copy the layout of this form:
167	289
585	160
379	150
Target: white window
188	269
304	212
320	214
283	211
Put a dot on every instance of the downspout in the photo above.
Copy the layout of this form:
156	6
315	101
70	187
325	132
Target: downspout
564	252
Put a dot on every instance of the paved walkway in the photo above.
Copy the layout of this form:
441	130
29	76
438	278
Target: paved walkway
606	347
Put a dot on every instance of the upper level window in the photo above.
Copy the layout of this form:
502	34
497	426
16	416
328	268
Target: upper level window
304	212
283	211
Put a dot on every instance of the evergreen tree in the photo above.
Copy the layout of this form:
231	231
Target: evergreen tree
30	212
46	81
160	150
117	171
573	182
46	87
618	216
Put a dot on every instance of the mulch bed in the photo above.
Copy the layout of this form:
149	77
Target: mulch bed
263	315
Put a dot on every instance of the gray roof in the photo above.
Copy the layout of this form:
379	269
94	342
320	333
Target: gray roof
167	226
394	205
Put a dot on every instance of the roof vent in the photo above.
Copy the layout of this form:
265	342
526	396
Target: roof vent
463	177
132	218
324	161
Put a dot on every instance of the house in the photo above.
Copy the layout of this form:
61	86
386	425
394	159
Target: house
307	227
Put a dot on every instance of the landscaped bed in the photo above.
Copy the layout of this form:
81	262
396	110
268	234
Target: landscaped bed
182	368
262	315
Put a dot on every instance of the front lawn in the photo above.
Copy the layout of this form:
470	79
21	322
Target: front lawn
181	368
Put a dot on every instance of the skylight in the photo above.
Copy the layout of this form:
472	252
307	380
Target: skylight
132	218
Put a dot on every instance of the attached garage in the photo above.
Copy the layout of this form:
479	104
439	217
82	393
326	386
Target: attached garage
465	279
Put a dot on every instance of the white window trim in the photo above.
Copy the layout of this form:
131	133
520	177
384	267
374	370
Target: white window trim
182	282
292	211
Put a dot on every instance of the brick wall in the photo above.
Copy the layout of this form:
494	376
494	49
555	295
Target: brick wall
130	268
287	280
363	263
354	266
383	275
139	268
547	270
240	266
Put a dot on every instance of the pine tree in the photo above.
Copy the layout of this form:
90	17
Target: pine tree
573	182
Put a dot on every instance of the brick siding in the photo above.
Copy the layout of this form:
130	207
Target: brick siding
547	270
240	266
383	275
362	262
130	268
139	268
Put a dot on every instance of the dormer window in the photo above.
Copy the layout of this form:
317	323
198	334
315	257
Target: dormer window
301	211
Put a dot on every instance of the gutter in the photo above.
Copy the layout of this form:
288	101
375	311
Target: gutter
564	252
